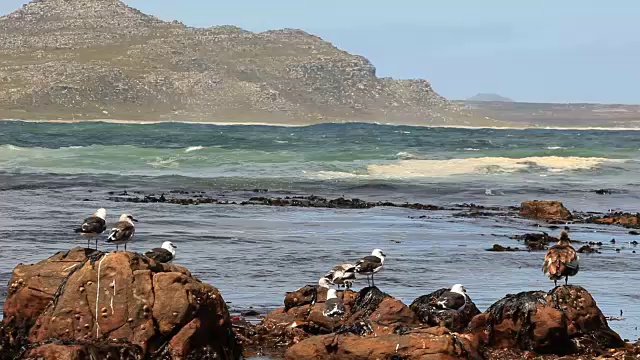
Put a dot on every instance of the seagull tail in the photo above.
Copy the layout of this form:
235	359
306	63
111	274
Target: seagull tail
78	230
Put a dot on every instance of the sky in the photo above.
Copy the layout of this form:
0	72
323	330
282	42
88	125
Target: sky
536	51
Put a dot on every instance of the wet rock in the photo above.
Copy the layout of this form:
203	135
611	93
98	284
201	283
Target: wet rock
544	210
500	248
82	352
586	249
432	343
627	220
603	192
384	313
425	309
159	309
536	241
565	320
633	232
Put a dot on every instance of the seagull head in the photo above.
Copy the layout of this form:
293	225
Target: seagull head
324	282
128	218
168	245
378	253
101	213
458	288
332	294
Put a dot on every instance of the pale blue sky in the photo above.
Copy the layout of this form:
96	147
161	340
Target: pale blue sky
542	50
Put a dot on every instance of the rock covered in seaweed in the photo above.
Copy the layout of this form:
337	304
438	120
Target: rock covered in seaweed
156	310
455	320
545	210
563	321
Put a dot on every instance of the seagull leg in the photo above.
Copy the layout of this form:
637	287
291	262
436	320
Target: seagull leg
88	243
555	283
125	246
96	243
566	280
117	248
372	282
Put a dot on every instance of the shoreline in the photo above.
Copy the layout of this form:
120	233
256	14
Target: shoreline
227	123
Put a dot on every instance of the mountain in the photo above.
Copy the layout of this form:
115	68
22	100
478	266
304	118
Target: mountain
489	97
100	59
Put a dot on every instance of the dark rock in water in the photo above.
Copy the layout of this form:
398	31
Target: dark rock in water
536	241
425	309
500	248
251	313
420	344
627	220
545	210
563	321
603	192
586	249
160	309
633	232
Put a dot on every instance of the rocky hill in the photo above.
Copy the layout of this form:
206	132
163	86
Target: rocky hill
100	59
489	97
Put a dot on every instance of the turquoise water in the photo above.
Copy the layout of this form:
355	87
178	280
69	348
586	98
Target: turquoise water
53	175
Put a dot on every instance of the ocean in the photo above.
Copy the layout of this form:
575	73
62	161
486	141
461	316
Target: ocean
52	175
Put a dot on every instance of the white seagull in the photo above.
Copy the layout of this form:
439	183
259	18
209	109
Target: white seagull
123	232
371	264
333	306
164	254
93	226
343	274
454	299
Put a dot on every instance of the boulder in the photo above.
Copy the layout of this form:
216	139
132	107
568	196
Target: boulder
563	321
454	320
545	210
420	344
160	309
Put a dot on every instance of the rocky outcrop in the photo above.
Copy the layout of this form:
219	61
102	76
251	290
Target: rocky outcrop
545	210
100	59
455	320
565	320
99	303
627	220
433	343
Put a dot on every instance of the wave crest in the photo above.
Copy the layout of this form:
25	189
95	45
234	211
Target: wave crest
482	165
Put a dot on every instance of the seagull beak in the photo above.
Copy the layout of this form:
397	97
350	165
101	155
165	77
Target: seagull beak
134	220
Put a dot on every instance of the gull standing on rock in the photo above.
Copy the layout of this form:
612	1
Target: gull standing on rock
333	306
123	232
93	226
454	299
371	264
343	274
561	261
164	254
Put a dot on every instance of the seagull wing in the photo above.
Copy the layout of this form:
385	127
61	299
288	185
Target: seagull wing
159	255
122	232
92	225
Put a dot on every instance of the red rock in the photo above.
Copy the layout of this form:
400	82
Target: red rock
423	344
127	296
426	311
544	210
623	219
81	352
563	321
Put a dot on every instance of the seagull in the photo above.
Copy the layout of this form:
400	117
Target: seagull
333	306
94	225
561	260
454	299
164	254
343	274
123	232
371	264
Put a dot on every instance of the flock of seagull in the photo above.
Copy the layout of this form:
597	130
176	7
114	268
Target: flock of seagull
121	234
561	261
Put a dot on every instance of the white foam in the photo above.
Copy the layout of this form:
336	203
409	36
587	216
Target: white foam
12	147
193	148
555	147
405	155
481	165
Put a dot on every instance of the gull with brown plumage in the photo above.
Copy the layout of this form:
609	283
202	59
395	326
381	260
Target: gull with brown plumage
561	261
